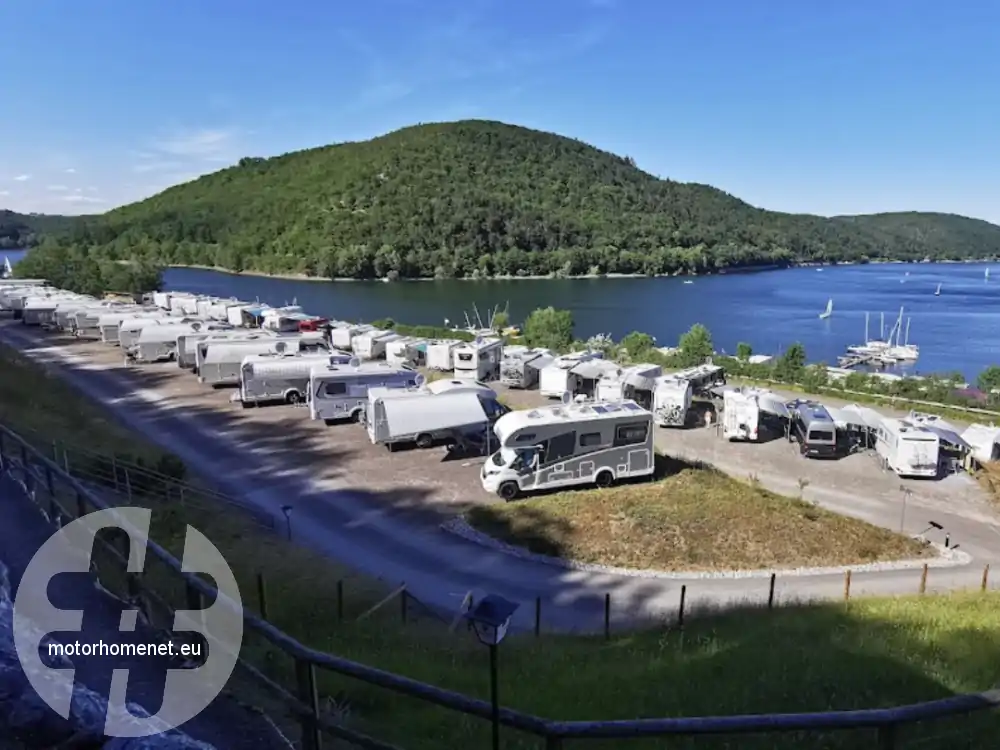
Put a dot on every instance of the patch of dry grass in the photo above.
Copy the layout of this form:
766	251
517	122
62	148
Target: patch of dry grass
989	477
695	519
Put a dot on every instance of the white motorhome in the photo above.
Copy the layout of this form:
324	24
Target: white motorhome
372	344
557	378
747	412
440	354
740	415
635	383
158	343
339	392
424	417
570	444
671	401
279	376
908	449
478	359
521	365
406	350
342	336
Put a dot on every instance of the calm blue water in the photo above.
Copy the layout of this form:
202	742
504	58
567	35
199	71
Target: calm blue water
957	331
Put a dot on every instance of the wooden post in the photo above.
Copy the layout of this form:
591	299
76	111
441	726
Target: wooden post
847	585
607	617
986	578
262	595
402	604
770	591
680	609
538	616
305	674
923	579
340	600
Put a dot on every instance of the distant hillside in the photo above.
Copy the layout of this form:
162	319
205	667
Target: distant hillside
26	230
478	198
936	230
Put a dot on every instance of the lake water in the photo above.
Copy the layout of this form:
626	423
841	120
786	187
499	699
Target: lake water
956	331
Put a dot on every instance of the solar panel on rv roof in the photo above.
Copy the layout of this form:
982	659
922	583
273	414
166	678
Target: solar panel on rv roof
600	409
632	406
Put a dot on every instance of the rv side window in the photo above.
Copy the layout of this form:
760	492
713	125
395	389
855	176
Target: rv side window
560	447
336	388
588	439
631	434
465	357
824	436
527	437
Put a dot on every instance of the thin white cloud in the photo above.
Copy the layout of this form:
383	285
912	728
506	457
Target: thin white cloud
57	188
198	144
4	192
76	198
92	189
22	178
71	171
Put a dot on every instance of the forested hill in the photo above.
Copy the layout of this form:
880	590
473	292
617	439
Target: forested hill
937	230
26	230
479	198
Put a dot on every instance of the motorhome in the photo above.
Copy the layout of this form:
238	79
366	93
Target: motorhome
814	430
703	377
557	377
910	450
159	343
371	344
441	354
740	415
406	350
342	336
570	444
521	365
635	383
423	417
478	359
202	344
671	401
281	377
339	392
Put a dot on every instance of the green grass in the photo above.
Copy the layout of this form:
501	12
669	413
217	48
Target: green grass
872	653
695	519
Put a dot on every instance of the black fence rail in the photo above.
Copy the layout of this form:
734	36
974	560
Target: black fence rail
162	588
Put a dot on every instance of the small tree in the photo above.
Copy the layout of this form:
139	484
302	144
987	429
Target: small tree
744	351
791	364
696	345
501	321
637	343
549	328
989	379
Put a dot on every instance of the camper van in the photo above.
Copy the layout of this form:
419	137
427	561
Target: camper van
158	343
441	354
671	401
479	359
223	359
423	417
908	449
371	344
281	377
570	444
406	350
521	365
557	377
339	392
814	430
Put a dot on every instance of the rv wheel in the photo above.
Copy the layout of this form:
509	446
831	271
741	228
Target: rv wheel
424	441
508	490
293	397
604	479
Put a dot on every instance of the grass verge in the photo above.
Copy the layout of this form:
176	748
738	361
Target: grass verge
874	652
695	519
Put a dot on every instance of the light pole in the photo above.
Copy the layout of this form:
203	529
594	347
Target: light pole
287	510
902	517
490	619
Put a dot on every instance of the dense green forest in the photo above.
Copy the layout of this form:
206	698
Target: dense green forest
479	199
27	230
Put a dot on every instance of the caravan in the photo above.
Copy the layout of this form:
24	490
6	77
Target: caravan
634	383
158	343
192	348
342	335
520	366
671	401
441	354
557	377
371	344
223	360
406	350
908	449
341	391
279	376
479	359
740	415
110	324
571	444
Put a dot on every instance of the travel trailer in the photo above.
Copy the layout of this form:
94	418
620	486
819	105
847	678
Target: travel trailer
478	359
110	324
222	360
420	416
671	401
371	344
192	347
521	365
87	322
339	392
740	415
634	383
158	343
283	319
307	342
342	336
281	377
406	350
441	354
129	330
557	377
570	444
908	449
814	430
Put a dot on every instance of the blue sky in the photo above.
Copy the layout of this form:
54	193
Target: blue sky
828	108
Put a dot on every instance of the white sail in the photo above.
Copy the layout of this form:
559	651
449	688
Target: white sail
937	292
829	309
7	270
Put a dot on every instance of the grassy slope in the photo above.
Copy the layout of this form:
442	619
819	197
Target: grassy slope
876	652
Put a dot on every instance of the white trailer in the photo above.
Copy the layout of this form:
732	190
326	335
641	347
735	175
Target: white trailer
908	449
395	416
281	377
372	344
440	354
571	444
671	401
406	350
129	330
557	377
521	365
740	415
634	383
159	343
342	336
65	315
201	346
341	391
162	300
479	359
223	360
87	322
110	324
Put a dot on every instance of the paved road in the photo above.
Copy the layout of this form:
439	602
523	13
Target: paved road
438	567
225	724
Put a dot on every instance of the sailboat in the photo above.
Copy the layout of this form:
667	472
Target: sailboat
872	346
937	292
987	274
7	270
828	311
903	352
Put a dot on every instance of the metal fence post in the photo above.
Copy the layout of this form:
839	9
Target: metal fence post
770	591
305	675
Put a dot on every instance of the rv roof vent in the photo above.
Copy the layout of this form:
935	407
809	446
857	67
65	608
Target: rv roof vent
534	414
419	379
566	397
354	362
280	347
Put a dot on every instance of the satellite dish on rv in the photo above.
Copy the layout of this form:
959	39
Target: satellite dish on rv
280	347
419	379
196	326
566	397
354	362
